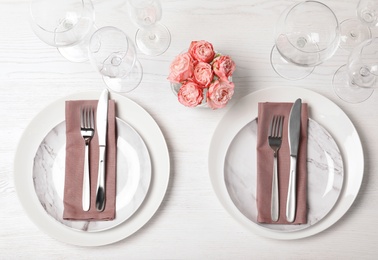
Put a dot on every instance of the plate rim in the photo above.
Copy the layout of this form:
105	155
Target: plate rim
133	114
233	119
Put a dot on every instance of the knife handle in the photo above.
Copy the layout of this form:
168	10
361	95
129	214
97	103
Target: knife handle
100	191
291	195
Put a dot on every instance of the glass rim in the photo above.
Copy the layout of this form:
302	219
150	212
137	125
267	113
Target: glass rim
336	38
43	28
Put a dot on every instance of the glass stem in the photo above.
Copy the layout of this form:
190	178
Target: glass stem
152	36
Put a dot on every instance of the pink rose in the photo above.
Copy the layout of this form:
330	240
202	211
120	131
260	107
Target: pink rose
181	68
203	74
219	93
190	94
223	67
202	51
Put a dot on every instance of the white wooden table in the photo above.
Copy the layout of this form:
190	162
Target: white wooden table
190	223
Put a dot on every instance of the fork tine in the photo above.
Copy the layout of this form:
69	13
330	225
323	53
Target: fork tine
87	118
91	118
272	127
81	117
84	117
280	126
276	125
277	131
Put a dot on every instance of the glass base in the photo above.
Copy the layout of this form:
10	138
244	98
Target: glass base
346	91
352	33
153	40
78	52
286	69
128	83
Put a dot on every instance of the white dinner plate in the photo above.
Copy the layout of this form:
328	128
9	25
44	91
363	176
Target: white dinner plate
321	110
324	174
133	176
38	129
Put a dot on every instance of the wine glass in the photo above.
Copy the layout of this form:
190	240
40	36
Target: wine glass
64	24
356	81
152	37
113	54
307	34
355	31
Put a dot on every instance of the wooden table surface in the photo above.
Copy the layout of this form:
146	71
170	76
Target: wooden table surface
191	222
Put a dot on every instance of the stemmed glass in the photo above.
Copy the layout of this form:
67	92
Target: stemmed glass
355	31
152	37
113	54
307	34
356	81
64	24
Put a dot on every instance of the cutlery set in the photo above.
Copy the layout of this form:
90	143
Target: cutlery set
87	130
275	141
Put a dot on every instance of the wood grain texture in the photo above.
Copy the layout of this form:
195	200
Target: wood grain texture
190	223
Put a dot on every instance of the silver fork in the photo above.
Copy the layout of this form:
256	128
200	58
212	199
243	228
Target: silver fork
87	132
275	140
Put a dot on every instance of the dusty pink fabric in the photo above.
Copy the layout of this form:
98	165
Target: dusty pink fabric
265	164
75	165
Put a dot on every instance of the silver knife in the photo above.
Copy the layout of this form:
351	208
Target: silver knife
101	124
294	137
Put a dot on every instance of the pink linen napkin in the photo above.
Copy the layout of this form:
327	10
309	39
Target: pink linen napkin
265	164
73	186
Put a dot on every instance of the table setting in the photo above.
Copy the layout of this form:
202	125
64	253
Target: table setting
231	145
157	129
132	188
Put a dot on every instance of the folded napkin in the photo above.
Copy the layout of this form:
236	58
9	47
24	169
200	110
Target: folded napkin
265	164
75	146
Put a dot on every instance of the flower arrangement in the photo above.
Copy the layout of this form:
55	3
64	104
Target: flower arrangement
203	76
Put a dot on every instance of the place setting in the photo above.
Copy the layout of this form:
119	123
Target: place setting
92	168
78	203
97	197
286	162
241	164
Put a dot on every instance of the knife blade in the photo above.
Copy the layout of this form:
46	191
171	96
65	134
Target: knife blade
294	138
101	124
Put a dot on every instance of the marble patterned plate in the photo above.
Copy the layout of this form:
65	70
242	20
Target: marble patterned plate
321	110
324	166
133	176
51	116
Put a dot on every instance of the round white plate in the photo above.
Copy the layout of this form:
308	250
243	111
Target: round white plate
324	112
324	174
38	129
133	176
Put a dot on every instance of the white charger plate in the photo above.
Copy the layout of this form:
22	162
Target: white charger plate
37	130
133	176
324	112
